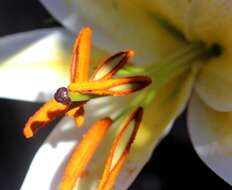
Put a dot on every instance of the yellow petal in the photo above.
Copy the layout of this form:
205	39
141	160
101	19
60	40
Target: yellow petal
211	134
210	21
118	25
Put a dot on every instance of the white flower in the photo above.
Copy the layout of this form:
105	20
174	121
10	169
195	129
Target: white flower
151	29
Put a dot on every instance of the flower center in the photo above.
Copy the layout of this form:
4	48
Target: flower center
192	54
163	71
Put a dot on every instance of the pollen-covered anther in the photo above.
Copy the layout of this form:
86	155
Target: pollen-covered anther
84	152
120	149
61	96
112	65
114	87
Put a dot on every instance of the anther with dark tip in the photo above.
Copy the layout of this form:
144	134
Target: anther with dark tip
61	96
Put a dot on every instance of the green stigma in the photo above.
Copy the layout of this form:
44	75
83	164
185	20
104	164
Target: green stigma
78	97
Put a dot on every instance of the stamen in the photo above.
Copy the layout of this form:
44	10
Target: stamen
169	67
112	65
166	69
114	87
79	67
44	115
120	149
79	116
62	96
84	152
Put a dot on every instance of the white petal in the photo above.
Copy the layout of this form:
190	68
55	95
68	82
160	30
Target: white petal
158	119
47	166
209	21
118	25
211	134
34	64
214	83
50	159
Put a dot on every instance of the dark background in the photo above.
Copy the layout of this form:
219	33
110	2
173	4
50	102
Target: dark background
174	164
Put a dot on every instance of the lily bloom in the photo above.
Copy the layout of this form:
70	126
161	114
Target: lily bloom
184	45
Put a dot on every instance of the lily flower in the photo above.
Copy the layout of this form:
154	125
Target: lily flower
185	46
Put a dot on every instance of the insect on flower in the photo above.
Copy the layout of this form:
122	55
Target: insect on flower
70	101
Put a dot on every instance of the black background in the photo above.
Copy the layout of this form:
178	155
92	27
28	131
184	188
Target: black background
174	164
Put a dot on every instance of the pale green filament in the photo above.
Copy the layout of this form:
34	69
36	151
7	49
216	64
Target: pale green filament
163	71
160	72
78	97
